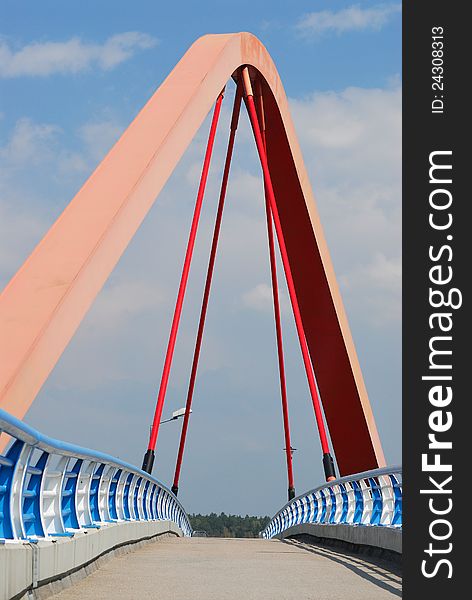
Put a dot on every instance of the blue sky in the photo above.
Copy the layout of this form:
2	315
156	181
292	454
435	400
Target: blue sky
72	77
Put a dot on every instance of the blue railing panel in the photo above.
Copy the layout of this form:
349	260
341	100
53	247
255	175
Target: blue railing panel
94	509
69	508
323	506
145	497
135	499
377	501
345	501
397	491
314	514
332	514
126	501
359	503
112	496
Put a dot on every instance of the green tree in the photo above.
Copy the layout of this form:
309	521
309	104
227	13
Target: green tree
224	525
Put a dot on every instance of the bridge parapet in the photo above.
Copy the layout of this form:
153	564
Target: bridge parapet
51	489
372	498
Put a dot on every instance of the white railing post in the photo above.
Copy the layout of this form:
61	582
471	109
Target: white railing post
51	494
16	498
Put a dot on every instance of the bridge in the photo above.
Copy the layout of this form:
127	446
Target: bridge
80	522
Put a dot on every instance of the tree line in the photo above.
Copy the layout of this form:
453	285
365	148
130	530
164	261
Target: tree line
230	526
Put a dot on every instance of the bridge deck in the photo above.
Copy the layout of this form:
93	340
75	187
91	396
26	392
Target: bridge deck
233	569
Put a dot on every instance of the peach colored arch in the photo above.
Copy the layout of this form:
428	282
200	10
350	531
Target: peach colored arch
45	301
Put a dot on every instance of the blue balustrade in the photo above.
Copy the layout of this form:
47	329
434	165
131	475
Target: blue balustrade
371	499
51	489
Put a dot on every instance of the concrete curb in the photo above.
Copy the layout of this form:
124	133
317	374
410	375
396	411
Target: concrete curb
384	538
37	571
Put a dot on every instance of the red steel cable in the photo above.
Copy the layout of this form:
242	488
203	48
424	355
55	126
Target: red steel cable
149	456
278	323
327	460
206	293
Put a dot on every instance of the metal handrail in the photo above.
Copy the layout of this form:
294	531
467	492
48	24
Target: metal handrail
50	488
370	498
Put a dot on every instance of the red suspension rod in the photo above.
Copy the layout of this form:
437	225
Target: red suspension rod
149	455
327	459
278	323
206	293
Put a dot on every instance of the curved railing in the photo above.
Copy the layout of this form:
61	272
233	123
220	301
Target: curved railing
52	489
370	498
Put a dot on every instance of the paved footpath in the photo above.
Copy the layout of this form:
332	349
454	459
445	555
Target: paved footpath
235	569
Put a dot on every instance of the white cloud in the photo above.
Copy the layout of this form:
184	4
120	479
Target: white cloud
18	232
260	299
38	173
351	142
96	138
353	18
41	59
351	135
99	137
120	301
375	290
29	142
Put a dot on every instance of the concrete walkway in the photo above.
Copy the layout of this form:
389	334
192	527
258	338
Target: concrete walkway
236	569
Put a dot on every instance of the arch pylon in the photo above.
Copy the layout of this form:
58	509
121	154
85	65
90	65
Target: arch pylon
44	303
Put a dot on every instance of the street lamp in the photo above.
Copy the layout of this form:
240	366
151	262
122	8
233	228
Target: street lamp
175	415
